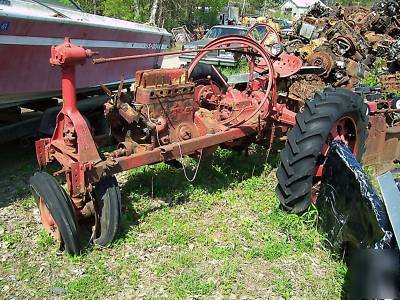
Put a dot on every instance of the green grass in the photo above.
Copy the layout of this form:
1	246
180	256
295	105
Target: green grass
10	240
240	68
176	47
283	285
45	240
191	283
222	236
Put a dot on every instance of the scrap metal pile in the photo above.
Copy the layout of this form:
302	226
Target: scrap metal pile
345	43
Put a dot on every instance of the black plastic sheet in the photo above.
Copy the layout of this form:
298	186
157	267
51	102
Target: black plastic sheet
354	218
351	212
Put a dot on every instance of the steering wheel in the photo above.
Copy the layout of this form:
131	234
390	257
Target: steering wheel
251	49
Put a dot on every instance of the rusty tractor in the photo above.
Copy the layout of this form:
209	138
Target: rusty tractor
171	113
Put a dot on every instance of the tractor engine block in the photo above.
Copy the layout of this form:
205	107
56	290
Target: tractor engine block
160	111
166	100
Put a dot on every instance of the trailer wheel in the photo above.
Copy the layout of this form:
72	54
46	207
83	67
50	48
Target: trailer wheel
334	114
56	211
108	206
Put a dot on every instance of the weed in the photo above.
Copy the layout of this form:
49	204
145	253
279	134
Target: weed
28	203
241	67
11	239
372	78
283	286
228	274
45	240
191	283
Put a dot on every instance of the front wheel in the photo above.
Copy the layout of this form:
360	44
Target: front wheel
334	114
56	211
108	207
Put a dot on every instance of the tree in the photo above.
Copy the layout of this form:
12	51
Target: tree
121	9
153	12
91	6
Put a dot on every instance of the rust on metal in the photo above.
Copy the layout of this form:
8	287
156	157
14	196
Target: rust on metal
103	60
390	83
383	147
165	116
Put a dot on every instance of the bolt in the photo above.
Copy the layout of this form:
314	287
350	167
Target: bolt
165	140
185	133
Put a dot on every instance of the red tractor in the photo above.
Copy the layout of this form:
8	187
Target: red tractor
187	111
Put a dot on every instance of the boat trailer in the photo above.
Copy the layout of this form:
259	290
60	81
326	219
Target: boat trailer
171	113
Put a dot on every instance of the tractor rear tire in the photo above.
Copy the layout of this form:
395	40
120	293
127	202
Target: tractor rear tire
302	151
108	202
201	71
60	207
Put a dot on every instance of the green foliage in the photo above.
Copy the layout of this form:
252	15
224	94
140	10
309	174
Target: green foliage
11	240
191	13
120	9
283	285
372	78
356	2
44	240
241	68
191	283
172	14
169	13
91	6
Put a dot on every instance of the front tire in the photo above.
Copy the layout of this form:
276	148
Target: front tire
56	211
108	206
303	152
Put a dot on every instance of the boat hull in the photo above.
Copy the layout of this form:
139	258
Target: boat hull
26	74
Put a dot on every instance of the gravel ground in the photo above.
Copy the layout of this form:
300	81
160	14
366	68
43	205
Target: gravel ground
171	61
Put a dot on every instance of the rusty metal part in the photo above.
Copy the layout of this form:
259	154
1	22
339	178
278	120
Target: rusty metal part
380	44
394	52
128	113
322	60
373	37
343	46
72	140
308	50
293	46
47	220
361	17
267	82
390	83
318	10
388	20
383	146
352	68
103	60
265	35
168	95
287	65
342	28
305	87
347	82
167	115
